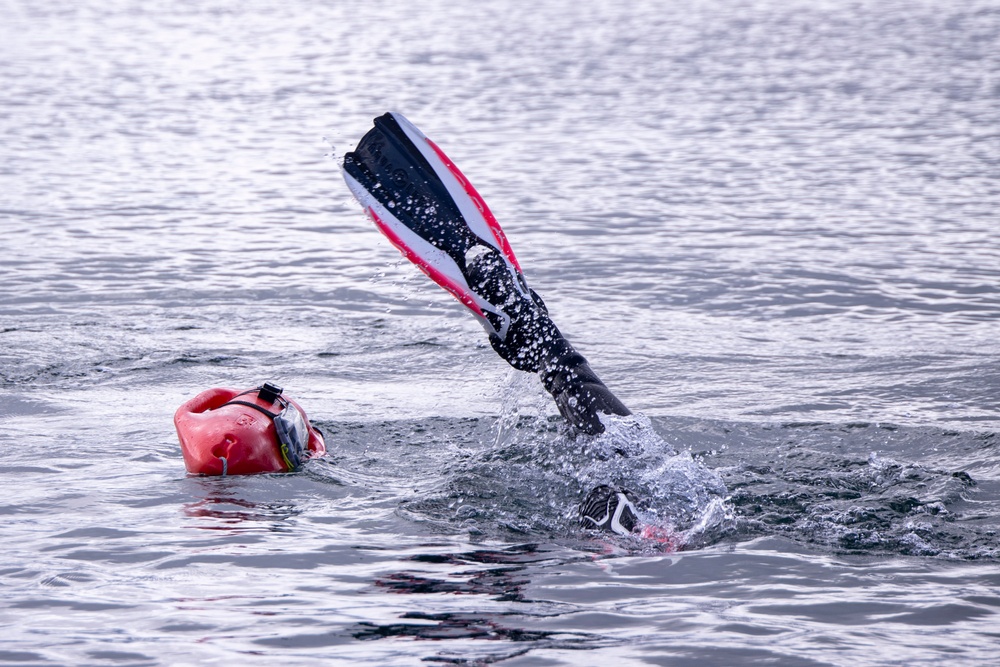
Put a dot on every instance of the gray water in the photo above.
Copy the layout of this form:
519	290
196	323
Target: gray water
771	227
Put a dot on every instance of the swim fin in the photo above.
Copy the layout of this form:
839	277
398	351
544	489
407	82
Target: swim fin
429	210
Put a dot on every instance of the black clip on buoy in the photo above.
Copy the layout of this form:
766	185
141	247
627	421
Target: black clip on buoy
269	392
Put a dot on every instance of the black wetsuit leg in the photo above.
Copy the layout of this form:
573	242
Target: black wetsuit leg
534	344
579	393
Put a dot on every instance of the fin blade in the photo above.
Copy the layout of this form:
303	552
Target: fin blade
473	207
429	210
437	264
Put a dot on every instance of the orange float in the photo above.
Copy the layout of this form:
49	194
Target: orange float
231	432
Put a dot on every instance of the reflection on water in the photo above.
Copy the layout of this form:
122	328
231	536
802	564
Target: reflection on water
231	512
502	583
499	574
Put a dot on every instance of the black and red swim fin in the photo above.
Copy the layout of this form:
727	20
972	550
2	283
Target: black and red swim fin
430	211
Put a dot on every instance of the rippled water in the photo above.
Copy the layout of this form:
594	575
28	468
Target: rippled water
771	226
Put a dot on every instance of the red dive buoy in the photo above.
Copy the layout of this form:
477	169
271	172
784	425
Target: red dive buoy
231	432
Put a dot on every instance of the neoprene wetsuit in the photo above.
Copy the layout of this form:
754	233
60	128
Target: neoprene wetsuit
426	207
536	345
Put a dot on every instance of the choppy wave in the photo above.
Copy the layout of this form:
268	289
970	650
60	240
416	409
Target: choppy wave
771	226
836	486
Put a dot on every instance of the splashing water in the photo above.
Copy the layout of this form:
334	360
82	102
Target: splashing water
530	480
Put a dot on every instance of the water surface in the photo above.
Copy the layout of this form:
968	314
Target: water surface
770	226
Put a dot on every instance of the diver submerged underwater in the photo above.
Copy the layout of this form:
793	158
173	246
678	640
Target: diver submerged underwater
429	210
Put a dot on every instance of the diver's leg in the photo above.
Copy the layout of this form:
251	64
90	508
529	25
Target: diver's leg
419	199
428	209
533	343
